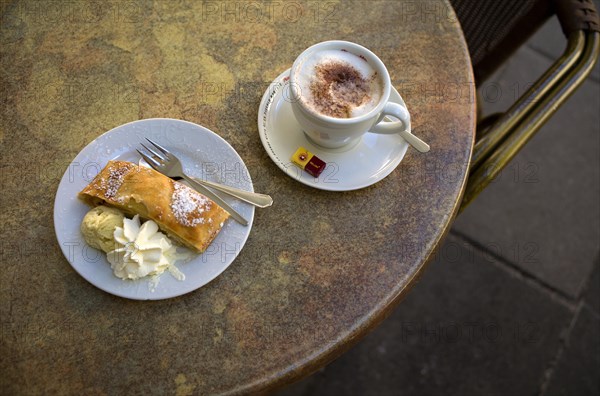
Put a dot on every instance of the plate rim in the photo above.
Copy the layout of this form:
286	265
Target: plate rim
100	286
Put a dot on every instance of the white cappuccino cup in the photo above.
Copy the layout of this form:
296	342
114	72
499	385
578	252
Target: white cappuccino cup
341	91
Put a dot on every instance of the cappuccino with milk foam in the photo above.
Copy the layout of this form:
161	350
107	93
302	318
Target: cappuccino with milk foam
337	83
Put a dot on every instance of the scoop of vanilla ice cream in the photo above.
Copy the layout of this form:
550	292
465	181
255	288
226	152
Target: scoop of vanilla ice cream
98	227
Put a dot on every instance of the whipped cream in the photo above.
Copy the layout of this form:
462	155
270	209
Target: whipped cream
143	250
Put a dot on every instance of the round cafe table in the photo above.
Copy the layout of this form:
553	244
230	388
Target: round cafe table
319	270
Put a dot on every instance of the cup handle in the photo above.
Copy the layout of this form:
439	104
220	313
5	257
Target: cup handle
401	127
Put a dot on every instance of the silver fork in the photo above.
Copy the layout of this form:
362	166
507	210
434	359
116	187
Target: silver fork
169	165
256	199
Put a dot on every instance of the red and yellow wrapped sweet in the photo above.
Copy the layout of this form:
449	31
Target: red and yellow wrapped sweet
309	162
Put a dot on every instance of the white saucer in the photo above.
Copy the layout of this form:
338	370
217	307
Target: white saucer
204	154
368	162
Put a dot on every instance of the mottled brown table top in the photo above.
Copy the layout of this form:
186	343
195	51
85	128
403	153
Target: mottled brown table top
319	269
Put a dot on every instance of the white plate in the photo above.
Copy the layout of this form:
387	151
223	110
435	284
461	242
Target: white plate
203	153
368	162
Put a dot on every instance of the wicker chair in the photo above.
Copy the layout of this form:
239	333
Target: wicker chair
494	29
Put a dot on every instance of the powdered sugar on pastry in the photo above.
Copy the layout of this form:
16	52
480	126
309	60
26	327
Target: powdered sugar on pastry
188	205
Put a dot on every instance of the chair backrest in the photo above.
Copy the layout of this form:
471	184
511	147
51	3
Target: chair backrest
494	29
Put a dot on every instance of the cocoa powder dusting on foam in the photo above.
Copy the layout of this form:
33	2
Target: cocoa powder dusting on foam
338	88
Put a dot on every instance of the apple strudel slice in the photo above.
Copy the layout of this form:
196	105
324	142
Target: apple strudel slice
183	213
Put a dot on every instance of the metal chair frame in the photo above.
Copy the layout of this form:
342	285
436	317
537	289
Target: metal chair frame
509	133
